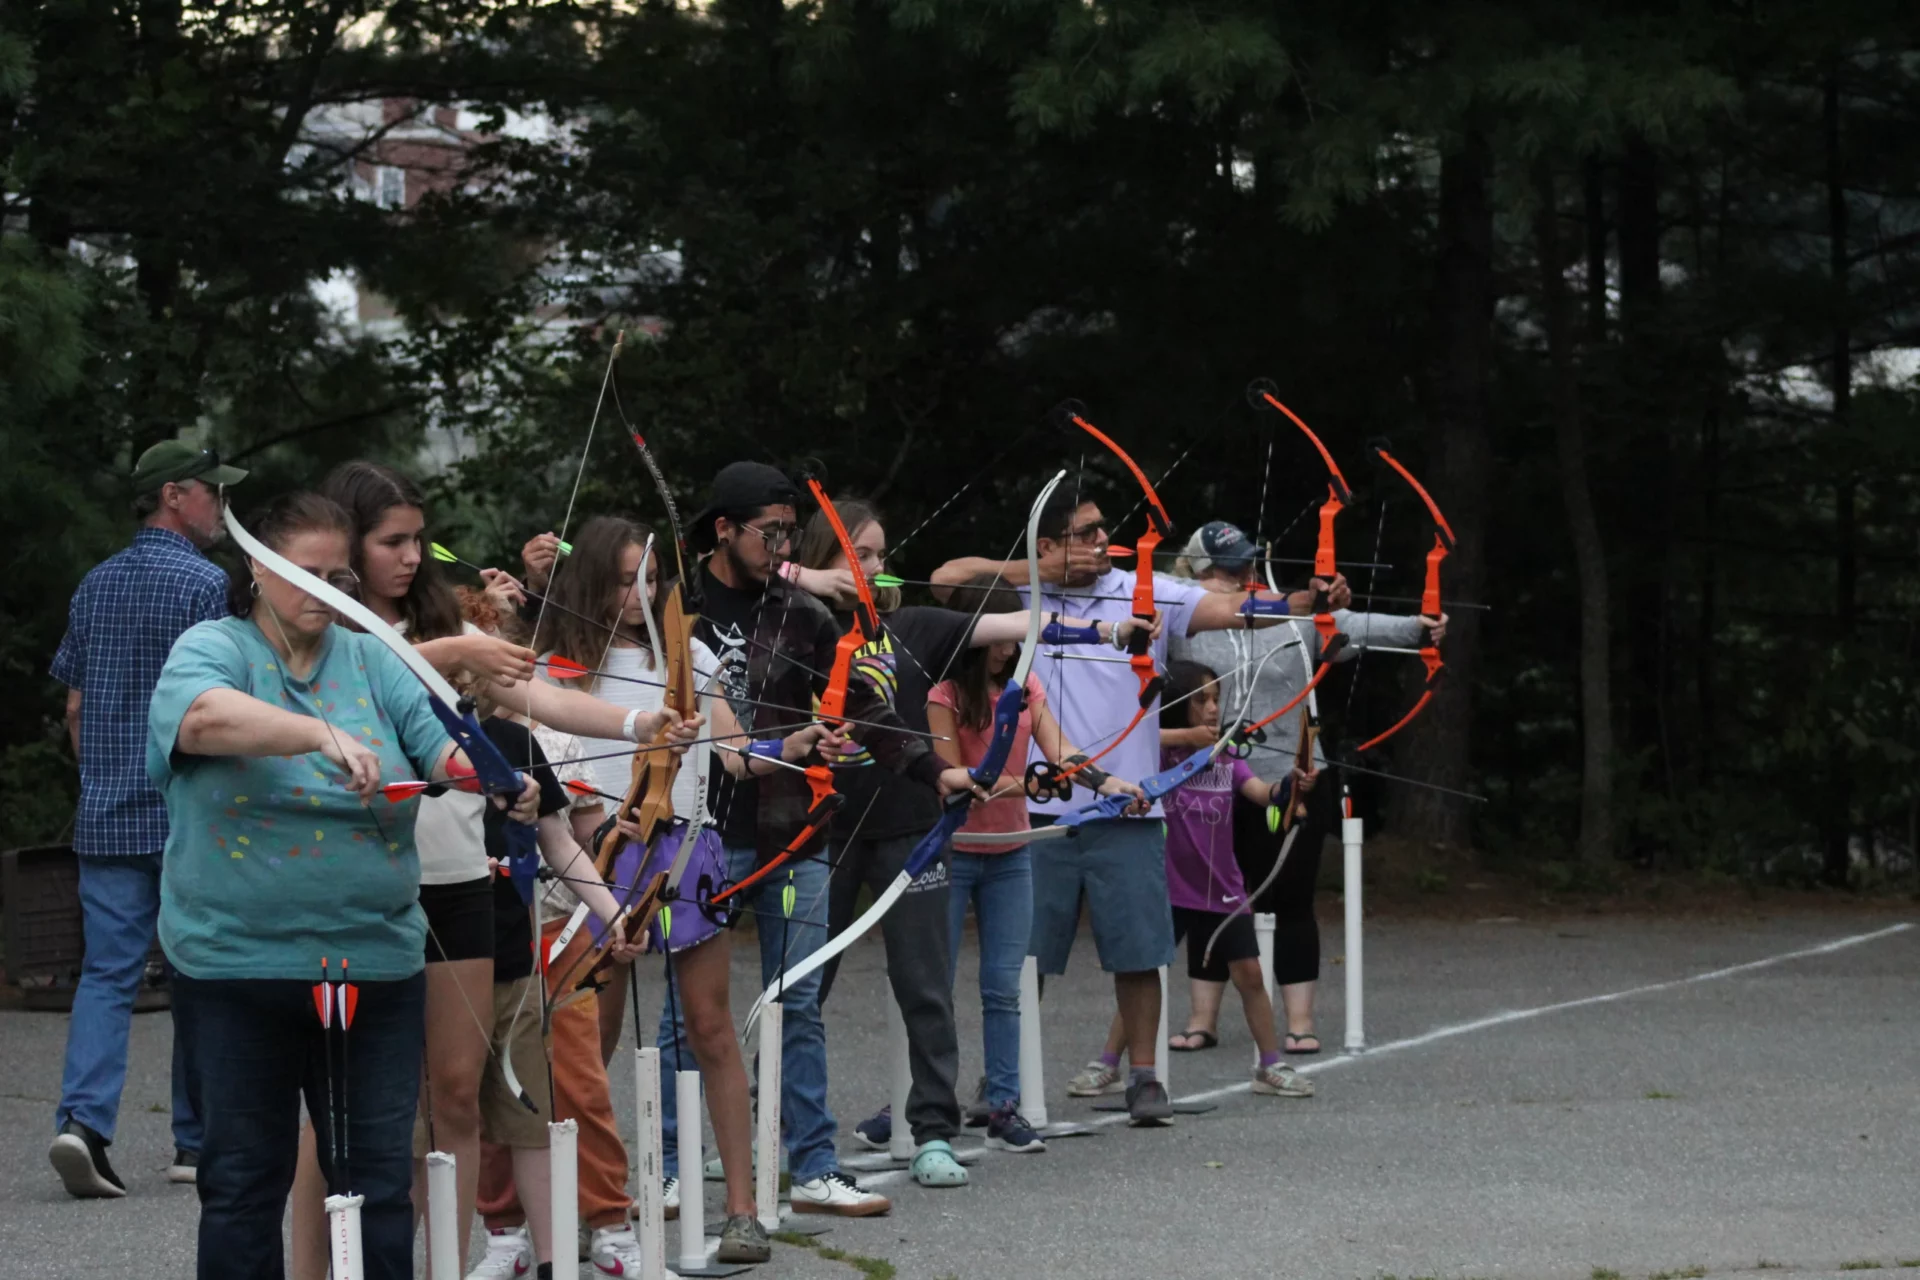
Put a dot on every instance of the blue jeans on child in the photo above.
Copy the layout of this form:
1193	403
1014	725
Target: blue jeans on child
119	904
1000	886
807	1127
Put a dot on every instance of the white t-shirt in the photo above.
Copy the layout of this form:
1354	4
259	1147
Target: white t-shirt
448	830
613	770
563	752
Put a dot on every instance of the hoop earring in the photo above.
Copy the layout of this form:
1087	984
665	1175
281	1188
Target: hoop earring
253	588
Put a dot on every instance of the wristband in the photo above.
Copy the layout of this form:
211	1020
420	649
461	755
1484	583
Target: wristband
630	725
790	571
1094	778
1058	632
458	769
767	748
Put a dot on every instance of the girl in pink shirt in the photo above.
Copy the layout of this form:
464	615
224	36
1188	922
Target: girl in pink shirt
998	880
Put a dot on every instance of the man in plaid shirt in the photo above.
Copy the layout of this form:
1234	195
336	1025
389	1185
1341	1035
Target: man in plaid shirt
123	621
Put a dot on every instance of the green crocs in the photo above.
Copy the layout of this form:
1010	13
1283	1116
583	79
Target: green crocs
934	1166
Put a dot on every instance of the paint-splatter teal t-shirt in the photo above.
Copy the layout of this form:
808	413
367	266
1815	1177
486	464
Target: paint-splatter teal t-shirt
271	862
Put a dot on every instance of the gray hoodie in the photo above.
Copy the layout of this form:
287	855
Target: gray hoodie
1240	656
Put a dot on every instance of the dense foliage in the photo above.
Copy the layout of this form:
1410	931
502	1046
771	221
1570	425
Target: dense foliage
1631	288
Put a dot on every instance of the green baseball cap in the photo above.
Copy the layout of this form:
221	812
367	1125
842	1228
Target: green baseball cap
175	460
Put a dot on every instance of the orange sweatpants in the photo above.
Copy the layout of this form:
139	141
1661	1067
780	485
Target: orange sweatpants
581	1093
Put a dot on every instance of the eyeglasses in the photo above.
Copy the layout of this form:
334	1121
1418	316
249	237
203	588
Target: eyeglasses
1089	534
777	535
346	581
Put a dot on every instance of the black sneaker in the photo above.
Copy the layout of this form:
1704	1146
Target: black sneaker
79	1156
876	1132
980	1111
1147	1104
185	1167
1008	1130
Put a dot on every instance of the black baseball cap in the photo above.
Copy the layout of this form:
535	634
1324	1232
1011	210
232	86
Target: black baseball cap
741	486
171	461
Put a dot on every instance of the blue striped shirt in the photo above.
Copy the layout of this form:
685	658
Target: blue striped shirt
120	627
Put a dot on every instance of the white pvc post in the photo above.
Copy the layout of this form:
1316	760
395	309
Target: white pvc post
652	1228
343	1237
766	1165
1160	1061
1033	1072
443	1217
900	1145
563	1154
1263	926
1352	833
693	1182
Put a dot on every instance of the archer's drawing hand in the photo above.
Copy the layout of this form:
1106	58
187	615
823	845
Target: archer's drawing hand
360	764
538	556
836	585
500	661
1114	786
503	590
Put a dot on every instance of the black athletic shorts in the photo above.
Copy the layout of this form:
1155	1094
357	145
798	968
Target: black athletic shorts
1237	941
459	920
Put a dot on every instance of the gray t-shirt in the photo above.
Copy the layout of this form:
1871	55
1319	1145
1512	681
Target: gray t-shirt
1238	657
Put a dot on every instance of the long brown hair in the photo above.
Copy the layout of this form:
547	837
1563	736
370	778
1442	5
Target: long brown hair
975	674
367	491
819	548
276	524
583	584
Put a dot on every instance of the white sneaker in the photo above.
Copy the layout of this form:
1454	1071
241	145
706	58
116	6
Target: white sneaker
670	1198
1097	1078
615	1251
509	1256
837	1194
1282	1081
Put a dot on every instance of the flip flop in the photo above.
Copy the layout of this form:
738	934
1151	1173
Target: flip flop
1206	1038
1298	1043
935	1166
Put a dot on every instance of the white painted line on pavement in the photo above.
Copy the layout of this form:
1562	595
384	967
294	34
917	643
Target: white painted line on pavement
1502	1019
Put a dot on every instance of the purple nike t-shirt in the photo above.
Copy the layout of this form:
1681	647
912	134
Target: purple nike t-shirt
1202	873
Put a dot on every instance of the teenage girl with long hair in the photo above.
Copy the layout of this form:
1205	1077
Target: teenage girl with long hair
596	618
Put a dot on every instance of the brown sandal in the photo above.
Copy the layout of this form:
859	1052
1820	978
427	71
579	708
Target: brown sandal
1298	1043
1207	1040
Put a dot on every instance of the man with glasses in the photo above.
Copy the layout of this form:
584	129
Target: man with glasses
1117	865
120	626
776	645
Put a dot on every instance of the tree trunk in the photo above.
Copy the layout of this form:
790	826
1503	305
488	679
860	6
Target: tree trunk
1438	746
1836	844
1583	527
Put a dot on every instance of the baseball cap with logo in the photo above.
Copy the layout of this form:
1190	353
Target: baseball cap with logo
171	461
1220	545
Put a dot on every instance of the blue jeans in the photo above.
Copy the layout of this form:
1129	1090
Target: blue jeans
119	903
807	1127
1000	887
260	1049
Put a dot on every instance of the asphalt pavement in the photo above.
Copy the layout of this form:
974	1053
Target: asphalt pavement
1556	1099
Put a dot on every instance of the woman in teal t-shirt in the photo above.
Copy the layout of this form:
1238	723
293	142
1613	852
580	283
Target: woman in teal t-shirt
269	736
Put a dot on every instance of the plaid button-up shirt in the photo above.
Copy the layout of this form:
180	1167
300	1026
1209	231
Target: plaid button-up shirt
120	627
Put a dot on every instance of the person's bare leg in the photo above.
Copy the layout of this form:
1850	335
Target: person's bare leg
459	1031
533	1178
613	1009
701	974
1138	995
307	1203
1297	999
1252	985
1205	1015
1117	1035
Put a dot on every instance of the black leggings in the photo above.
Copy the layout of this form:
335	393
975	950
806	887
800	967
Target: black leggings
1296	932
